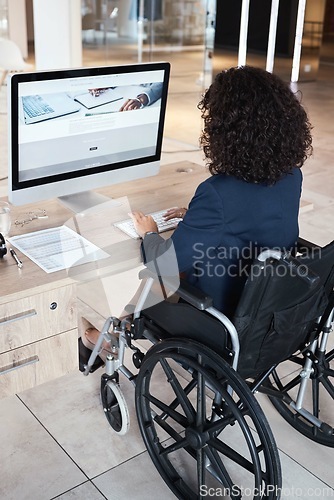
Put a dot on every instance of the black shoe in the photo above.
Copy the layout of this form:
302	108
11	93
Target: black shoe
84	354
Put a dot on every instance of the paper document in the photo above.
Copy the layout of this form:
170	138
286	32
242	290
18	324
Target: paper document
57	248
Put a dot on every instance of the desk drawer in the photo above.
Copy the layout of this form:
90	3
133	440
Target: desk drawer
39	316
23	368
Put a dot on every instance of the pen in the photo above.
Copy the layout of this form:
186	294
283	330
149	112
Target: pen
15	257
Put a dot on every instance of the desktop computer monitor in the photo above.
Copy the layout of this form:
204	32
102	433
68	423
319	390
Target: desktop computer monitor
69	132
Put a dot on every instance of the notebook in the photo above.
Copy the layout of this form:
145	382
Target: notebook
90	101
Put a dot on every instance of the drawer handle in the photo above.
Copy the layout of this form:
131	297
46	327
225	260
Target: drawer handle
17	317
19	364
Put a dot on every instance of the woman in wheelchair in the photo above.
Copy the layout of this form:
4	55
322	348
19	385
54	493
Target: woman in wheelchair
245	305
256	138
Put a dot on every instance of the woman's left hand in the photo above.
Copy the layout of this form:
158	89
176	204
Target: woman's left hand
143	223
175	212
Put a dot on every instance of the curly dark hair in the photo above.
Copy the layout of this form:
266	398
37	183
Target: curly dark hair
255	127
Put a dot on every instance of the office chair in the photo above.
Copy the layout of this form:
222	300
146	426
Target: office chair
11	59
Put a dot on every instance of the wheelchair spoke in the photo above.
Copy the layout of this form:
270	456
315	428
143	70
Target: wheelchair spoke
328	386
200	457
216	427
201	401
181	443
231	454
329	373
179	391
315	397
204	434
293	383
167	428
187	390
277	380
239	459
224	477
285	388
168	411
330	356
175	403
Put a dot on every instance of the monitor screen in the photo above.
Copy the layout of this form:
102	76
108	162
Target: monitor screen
75	130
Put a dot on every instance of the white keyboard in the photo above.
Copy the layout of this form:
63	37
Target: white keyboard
127	225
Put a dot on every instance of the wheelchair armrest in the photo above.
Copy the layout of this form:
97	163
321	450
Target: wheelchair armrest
305	244
185	291
194	296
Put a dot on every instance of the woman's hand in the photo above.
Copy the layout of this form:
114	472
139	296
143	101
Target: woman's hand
175	212
143	223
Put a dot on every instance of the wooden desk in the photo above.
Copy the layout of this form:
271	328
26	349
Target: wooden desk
39	311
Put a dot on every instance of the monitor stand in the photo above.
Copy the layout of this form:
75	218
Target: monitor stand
81	202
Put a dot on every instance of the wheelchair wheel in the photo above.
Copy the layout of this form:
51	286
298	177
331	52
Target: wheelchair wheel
115	407
317	398
203	428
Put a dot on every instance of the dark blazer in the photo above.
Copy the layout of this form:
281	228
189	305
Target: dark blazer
228	222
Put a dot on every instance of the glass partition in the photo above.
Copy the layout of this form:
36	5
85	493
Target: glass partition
228	33
178	31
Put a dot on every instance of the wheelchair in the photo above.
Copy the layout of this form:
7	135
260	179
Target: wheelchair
196	381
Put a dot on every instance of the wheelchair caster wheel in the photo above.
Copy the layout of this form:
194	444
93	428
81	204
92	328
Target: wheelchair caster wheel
115	407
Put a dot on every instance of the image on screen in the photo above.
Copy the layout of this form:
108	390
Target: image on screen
79	123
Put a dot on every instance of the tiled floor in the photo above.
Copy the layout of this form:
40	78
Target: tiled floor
55	440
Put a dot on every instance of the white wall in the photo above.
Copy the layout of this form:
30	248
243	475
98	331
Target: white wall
57	26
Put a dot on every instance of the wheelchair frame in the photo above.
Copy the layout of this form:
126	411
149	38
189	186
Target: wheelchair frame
229	401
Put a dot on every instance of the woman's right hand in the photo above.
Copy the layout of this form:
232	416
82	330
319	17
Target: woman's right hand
143	223
175	212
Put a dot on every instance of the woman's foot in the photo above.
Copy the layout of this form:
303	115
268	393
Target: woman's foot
89	339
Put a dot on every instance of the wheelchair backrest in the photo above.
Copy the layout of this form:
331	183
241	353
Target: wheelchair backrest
282	300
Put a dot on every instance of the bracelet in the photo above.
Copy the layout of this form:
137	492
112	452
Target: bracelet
150	232
180	214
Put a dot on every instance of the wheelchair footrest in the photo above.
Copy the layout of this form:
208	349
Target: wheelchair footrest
84	354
